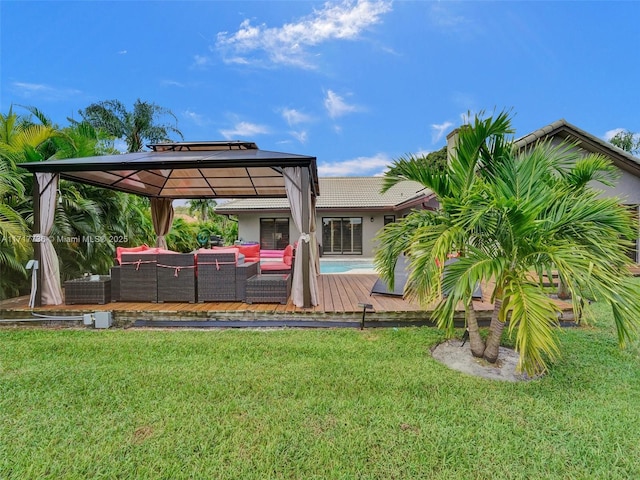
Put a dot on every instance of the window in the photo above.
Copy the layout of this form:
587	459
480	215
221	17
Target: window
274	233
389	219
342	236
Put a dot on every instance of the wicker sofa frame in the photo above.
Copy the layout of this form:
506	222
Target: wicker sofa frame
138	278
221	279
268	288
176	274
87	290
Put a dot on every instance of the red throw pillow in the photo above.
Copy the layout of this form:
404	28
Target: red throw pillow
287	255
251	252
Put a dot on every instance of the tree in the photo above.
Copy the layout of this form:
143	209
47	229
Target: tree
89	220
452	186
627	141
204	208
142	124
515	217
19	142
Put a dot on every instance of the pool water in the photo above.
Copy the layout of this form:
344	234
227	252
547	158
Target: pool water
364	265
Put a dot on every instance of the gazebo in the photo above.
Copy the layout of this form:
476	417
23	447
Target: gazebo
184	170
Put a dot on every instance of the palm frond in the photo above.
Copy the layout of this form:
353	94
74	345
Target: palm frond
533	316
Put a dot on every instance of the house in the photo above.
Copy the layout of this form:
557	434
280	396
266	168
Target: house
351	210
627	186
349	213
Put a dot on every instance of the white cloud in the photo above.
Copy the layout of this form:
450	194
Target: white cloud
41	91
301	136
361	166
295	117
467	117
440	130
336	106
422	153
201	61
196	118
122	52
172	83
443	16
288	44
244	129
612	133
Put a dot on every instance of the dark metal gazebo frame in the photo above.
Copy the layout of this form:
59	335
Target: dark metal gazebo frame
187	170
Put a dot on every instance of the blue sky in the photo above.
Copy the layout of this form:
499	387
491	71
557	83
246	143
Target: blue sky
355	84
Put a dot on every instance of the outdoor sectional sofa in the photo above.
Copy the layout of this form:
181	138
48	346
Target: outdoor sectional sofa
156	275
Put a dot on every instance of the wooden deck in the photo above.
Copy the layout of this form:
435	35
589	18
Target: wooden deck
340	296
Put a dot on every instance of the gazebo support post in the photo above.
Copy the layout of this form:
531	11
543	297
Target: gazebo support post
37	249
304	247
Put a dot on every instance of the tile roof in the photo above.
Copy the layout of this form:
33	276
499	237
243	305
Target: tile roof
344	192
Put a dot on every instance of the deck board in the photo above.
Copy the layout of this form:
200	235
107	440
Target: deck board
339	299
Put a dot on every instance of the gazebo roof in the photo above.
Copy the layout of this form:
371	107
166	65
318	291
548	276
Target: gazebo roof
228	169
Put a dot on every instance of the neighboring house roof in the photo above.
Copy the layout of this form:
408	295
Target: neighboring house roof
340	193
563	130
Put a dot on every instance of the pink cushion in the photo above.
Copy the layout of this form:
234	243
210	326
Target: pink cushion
121	250
271	253
157	250
287	256
269	266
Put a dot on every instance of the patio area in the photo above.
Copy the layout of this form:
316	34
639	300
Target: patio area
340	305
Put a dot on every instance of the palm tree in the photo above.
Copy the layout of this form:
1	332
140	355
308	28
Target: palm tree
19	142
430	236
101	219
89	221
520	217
135	127
204	208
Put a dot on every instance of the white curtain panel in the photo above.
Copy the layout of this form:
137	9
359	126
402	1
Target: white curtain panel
292	182
162	218
51	286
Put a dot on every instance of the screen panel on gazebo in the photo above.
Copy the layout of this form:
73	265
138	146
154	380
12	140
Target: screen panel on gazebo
185	183
103	178
268	181
135	186
149	178
230	182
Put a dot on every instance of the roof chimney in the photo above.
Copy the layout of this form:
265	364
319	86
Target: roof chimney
452	142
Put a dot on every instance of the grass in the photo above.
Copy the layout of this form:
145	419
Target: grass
305	404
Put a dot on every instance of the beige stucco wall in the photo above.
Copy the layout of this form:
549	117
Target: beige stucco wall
627	188
249	226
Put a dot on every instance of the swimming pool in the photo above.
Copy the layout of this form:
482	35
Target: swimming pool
339	265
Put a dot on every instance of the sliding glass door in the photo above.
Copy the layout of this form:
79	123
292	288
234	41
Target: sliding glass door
342	236
274	233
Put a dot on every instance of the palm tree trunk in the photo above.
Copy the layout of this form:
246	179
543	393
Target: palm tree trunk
495	333
475	340
563	289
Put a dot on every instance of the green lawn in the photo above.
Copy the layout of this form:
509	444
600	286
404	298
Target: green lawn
305	404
